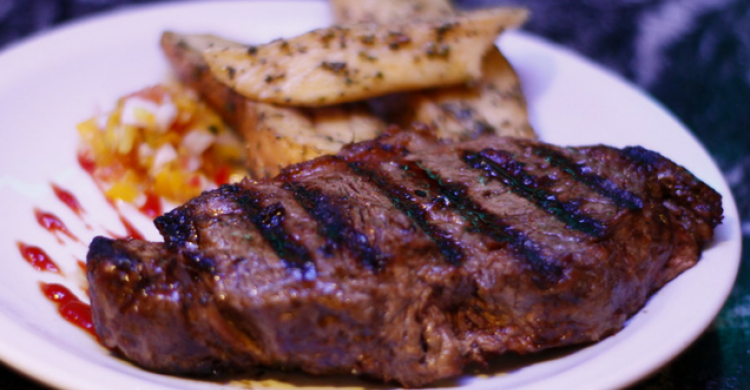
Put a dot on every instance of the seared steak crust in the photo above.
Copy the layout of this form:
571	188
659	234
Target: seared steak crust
403	259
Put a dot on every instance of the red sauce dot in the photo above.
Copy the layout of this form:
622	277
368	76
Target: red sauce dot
79	314
38	258
57	293
68	198
53	224
71	308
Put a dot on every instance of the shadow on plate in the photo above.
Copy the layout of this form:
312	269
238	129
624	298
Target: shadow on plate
501	365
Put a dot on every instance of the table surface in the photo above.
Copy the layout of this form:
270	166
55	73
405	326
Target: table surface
693	59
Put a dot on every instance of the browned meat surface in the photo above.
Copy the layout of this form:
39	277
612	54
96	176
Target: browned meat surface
402	259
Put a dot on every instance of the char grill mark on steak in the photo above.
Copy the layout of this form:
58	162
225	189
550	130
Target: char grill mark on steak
455	196
269	222
651	161
334	226
621	197
682	189
177	228
403	200
501	166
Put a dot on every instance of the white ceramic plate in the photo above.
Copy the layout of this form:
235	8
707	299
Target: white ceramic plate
53	81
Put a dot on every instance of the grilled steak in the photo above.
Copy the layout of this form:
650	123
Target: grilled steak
403	259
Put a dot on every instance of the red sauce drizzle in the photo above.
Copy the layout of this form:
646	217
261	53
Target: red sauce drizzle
53	224
152	207
66	197
82	265
132	232
69	306
223	175
87	163
38	258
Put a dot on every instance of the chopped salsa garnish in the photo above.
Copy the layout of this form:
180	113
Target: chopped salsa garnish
161	140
